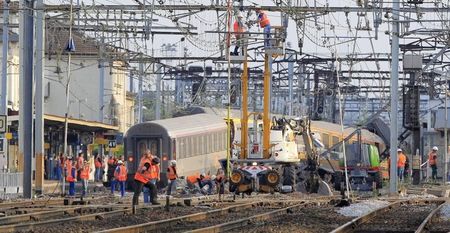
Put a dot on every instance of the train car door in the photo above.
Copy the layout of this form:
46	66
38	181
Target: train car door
152	144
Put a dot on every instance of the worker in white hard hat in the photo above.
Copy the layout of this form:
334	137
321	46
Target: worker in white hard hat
120	176
172	176
239	28
432	161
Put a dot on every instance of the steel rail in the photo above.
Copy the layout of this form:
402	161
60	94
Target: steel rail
228	226
100	215
152	226
422	227
353	224
36	216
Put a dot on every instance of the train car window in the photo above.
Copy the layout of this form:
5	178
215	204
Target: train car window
187	144
208	143
214	141
203	143
195	146
224	140
180	148
142	145
335	140
154	147
326	140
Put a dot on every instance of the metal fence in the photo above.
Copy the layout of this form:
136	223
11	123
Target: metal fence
11	184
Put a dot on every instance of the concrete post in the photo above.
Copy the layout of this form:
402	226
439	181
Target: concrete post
158	92
39	97
394	98
141	76
26	77
4	96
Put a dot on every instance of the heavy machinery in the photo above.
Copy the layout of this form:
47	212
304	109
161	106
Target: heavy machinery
363	167
282	171
275	167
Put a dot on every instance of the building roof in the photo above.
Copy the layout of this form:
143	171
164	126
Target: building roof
13	37
57	37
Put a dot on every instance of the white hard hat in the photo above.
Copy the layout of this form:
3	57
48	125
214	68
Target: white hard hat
203	174
120	162
239	15
399	150
213	177
173	162
435	148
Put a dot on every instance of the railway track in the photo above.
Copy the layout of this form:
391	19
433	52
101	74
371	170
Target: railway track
219	220
400	216
34	221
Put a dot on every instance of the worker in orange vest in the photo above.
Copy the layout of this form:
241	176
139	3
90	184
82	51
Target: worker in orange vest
401	160
173	176
264	22
120	176
202	180
84	177
71	175
432	161
239	28
98	168
143	176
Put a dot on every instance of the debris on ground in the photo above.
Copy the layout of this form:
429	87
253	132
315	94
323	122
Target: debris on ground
362	208
445	212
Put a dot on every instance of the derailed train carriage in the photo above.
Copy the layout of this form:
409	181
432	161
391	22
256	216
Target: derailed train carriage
197	142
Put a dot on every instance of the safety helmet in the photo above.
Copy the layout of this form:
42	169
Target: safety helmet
156	160
239	15
213	177
203	174
120	162
399	150
435	148
173	162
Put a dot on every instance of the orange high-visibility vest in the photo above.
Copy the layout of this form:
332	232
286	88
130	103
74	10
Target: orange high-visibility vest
172	174
97	164
237	28
263	19
121	173
192	179
84	173
143	176
110	161
401	160
154	173
432	158
69	177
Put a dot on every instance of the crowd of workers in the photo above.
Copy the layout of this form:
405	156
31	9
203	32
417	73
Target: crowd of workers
146	177
403	163
240	28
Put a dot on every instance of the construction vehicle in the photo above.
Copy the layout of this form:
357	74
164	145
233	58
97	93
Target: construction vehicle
276	166
363	167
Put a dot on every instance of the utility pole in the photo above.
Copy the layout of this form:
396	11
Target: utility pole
394	97
26	77
446	131
101	89
39	97
141	76
4	97
291	83
158	92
